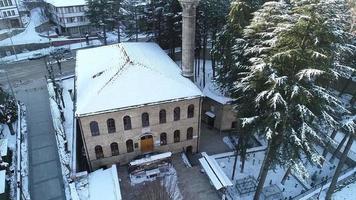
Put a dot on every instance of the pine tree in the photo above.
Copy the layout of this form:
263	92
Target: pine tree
290	56
229	42
8	110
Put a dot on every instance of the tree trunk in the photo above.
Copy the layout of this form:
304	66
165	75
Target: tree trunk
59	66
332	136
235	163
286	175
339	168
12	131
341	144
118	33
104	31
204	56
212	56
264	170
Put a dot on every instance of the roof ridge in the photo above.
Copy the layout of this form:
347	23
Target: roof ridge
120	70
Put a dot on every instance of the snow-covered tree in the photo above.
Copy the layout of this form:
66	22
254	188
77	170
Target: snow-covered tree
291	59
106	14
229	43
8	110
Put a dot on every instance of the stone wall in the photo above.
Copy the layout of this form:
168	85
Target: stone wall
155	129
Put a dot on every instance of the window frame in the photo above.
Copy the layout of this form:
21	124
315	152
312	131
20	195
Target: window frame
145	119
162	116
163	142
190	133
127	124
114	147
99	153
112	128
176	135
92	125
190	111
129	144
176	114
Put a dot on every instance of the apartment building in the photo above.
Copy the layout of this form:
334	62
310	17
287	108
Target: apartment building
9	14
69	16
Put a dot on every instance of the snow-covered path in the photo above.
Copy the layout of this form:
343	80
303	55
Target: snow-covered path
29	35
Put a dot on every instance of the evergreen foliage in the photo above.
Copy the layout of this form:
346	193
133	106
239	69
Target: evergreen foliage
285	59
8	109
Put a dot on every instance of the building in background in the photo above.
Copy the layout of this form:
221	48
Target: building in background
217	110
69	17
131	99
9	14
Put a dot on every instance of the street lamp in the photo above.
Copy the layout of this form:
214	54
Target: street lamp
8	81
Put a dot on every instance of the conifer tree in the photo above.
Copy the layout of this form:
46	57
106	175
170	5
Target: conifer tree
8	110
290	53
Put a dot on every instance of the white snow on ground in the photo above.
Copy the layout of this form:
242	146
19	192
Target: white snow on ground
64	156
131	73
346	193
29	35
68	84
46	51
98	185
169	180
252	166
24	155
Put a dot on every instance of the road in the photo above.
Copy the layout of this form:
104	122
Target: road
29	83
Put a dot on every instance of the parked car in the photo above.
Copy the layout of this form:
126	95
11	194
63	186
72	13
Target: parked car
60	50
36	56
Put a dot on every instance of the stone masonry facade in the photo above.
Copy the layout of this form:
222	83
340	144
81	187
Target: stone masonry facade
155	128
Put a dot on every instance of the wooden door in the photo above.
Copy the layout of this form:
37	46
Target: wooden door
147	143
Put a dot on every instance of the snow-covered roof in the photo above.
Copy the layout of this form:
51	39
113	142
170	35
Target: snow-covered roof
128	75
151	159
3	147
104	184
65	3
217	177
213	92
2	181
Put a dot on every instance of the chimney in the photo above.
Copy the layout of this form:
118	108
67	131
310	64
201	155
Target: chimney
188	37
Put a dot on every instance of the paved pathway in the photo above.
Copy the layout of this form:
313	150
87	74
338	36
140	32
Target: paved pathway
45	176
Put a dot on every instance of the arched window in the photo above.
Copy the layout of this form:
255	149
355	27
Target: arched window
129	146
114	149
111	125
162	116
190	133
99	152
127	123
176	116
163	138
176	136
94	128
145	119
191	111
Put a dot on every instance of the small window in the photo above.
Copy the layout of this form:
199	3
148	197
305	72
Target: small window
176	136
114	149
94	128
234	125
145	120
111	125
191	111
162	116
127	123
176	116
190	133
99	152
163	138
129	146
